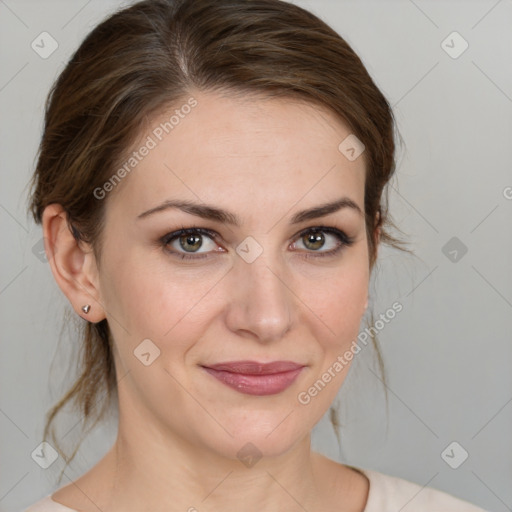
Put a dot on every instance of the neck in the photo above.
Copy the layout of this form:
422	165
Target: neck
156	474
153	467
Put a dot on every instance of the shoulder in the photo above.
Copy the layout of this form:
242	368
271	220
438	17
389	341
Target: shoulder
392	493
46	504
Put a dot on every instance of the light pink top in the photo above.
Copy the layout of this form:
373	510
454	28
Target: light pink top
386	494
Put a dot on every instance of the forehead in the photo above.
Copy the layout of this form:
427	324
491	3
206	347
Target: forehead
248	152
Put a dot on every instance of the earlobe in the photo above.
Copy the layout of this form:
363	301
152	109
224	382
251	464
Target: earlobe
71	265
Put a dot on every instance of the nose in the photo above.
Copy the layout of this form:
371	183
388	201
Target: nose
261	303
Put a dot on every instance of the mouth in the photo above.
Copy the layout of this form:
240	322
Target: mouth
253	378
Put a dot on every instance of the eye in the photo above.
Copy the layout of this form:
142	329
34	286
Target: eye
186	242
314	239
189	240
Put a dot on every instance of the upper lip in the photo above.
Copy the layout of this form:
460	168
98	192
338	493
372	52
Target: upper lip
255	368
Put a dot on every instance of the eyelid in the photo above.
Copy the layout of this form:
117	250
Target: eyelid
343	238
168	237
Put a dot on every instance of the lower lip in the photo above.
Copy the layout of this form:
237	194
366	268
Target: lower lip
256	384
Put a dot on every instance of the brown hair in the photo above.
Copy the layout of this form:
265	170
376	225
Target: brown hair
151	55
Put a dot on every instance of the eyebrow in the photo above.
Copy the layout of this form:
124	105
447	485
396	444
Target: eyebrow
211	212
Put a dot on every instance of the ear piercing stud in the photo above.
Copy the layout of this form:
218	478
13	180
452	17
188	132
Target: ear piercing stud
86	308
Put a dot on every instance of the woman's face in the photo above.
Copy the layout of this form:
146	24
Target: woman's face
257	291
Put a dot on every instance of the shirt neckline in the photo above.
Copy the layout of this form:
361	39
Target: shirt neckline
373	479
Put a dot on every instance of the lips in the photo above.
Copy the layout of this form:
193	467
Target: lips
253	378
255	368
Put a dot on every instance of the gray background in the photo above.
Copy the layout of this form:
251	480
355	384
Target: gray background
448	353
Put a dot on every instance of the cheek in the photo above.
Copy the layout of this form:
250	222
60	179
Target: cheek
170	305
339	305
156	302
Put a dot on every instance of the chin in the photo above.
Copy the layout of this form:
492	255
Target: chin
256	435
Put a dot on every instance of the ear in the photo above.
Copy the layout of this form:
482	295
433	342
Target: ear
73	264
378	224
377	245
377	242
377	233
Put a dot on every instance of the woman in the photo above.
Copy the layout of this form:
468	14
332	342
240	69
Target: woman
210	184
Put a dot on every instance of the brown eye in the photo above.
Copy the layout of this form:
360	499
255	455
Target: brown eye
314	240
190	243
185	243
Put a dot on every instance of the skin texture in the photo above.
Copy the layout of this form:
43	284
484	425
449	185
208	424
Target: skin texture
179	428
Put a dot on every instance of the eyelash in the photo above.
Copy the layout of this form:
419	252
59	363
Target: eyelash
344	239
